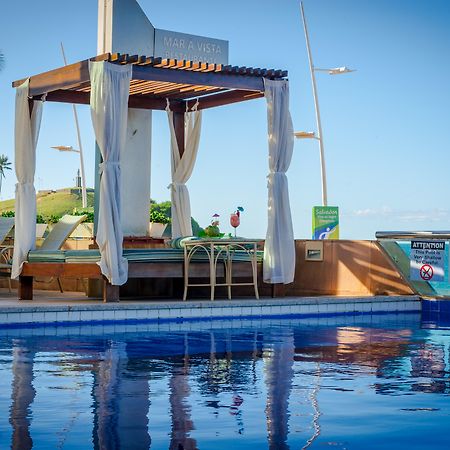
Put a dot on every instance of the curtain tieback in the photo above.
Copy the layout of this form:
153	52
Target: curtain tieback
24	183
108	165
273	175
174	185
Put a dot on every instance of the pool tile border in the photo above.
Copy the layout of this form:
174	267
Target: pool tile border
31	315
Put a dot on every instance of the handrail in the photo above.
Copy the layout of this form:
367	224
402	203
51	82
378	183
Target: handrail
408	235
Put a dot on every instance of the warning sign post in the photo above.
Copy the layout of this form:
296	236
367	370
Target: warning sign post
427	260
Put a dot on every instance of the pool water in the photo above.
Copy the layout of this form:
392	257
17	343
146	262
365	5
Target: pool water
367	382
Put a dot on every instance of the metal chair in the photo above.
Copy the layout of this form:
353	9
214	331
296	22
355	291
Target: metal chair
6	226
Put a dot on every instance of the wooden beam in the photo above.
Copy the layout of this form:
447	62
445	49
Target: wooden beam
61	270
225	98
68	76
279	290
149	102
178	124
77	75
63	96
62	78
25	290
138	102
216	79
110	292
144	102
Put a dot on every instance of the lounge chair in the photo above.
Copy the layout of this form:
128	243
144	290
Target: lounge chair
54	241
59	234
6	225
41	228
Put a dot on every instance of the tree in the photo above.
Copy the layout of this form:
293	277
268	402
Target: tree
4	165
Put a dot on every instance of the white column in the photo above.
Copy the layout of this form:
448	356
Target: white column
124	28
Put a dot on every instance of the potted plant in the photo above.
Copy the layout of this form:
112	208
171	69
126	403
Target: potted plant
158	223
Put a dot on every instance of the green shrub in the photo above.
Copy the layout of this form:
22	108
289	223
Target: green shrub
53	218
40	218
158	217
89	212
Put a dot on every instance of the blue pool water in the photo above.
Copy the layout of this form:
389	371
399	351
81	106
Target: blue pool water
368	382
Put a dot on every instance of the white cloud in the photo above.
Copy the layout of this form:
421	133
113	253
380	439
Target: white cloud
430	215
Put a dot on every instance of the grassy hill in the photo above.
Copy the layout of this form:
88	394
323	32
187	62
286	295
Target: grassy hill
53	203
63	201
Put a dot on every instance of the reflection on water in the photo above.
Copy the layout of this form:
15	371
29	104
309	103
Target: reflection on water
355	383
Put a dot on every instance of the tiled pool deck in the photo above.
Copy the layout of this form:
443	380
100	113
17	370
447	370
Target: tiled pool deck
68	309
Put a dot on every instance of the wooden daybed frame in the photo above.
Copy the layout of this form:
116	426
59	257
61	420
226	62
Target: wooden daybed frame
154	82
91	270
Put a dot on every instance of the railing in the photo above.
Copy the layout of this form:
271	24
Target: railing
408	235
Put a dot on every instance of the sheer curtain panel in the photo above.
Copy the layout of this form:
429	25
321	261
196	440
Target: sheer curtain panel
26	135
110	85
182	167
279	249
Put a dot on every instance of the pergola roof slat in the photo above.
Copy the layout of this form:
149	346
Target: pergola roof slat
155	78
189	77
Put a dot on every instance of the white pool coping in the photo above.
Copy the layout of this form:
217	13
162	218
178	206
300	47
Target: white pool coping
60	311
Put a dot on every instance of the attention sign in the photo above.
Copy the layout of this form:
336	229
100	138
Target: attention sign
427	260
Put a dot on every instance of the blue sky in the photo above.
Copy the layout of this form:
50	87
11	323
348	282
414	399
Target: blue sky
386	127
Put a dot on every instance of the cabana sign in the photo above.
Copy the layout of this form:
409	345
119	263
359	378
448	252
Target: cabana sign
188	47
427	260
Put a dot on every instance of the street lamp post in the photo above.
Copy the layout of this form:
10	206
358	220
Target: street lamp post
65	148
319	135
75	115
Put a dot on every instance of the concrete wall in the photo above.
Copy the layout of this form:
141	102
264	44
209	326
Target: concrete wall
349	268
124	28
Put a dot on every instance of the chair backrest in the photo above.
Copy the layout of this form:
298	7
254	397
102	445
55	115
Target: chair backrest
6	225
41	228
61	231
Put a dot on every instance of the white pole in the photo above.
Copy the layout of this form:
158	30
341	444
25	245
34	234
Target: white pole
316	103
75	115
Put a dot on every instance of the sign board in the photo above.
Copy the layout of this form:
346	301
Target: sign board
427	259
181	46
325	222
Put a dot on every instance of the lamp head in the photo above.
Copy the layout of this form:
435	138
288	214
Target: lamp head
305	135
339	70
65	148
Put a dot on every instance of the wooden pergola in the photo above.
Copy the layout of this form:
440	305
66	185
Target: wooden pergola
154	80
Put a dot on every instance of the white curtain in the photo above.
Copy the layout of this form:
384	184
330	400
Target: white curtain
182	169
279	249
26	137
110	85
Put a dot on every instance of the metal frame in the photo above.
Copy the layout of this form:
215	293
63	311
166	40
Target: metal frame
220	250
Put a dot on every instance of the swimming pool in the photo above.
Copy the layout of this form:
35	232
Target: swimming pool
350	382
